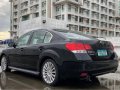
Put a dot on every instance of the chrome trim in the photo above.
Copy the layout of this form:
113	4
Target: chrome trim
24	70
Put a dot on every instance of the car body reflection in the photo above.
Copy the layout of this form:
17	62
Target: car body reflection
3	80
22	81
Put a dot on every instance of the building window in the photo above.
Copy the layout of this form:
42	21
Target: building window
35	15
43	4
58	17
34	8
26	17
69	7
62	17
62	7
43	13
76	18
58	8
16	7
33	1
69	17
24	4
24	11
15	27
76	9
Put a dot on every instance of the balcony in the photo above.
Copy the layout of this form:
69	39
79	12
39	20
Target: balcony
34	2
15	2
84	14
111	28
104	4
95	1
25	12
117	15
34	9
104	12
117	30
103	18
94	25
94	17
103	26
112	1
111	21
76	2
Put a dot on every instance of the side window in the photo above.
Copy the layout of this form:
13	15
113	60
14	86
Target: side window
48	37
24	39
38	37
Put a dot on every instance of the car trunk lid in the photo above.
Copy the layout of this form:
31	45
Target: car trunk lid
101	50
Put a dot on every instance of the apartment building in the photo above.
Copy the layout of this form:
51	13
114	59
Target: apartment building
94	17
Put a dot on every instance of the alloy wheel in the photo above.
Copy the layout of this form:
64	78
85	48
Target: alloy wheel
49	72
3	64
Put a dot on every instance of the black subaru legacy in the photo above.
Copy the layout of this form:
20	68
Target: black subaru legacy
57	54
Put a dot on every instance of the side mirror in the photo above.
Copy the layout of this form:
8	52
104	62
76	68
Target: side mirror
12	44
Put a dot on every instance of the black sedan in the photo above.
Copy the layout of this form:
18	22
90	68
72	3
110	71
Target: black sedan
57	54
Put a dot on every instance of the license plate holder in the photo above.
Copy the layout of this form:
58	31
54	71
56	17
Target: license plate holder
102	53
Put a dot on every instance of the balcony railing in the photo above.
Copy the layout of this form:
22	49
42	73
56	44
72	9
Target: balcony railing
77	2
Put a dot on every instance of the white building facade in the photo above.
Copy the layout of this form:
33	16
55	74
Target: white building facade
94	17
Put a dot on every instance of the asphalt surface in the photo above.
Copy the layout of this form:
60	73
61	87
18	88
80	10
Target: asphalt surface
22	81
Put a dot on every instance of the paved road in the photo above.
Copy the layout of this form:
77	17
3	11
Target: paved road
22	81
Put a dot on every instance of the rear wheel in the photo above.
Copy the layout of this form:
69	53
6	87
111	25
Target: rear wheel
4	65
94	80
50	72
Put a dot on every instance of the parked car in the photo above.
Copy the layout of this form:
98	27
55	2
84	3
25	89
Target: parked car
1	42
57	54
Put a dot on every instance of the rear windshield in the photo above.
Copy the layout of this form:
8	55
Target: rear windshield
75	35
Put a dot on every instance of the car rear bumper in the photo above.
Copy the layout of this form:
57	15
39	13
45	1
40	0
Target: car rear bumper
92	68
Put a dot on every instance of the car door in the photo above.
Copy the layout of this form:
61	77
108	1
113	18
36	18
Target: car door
32	52
16	59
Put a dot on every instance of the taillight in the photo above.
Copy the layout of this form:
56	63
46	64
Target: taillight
87	47
78	47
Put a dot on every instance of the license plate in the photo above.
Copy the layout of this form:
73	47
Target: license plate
102	52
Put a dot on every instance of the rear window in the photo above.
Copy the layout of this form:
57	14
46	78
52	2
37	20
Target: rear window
75	35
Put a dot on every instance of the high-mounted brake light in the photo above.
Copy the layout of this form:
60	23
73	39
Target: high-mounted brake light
78	47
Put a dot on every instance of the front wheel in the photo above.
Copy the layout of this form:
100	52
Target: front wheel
49	72
4	63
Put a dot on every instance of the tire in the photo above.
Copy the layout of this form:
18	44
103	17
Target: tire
4	63
49	72
94	80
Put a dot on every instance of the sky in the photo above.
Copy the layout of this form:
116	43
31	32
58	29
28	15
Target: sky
4	15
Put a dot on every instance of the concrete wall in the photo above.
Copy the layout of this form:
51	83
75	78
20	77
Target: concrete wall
116	43
37	23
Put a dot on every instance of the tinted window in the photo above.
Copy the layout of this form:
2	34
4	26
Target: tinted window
24	39
38	37
74	35
48	37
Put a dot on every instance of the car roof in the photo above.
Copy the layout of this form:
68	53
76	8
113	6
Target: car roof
64	30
